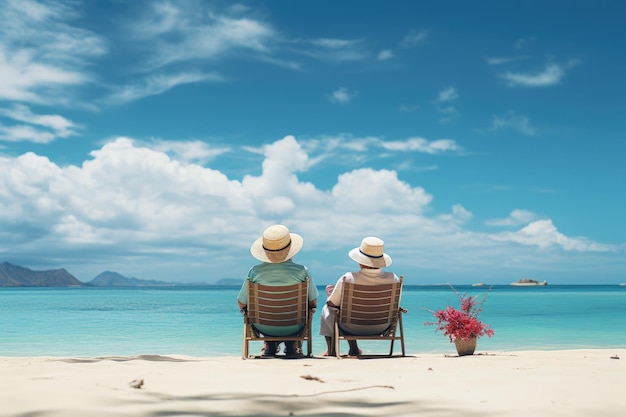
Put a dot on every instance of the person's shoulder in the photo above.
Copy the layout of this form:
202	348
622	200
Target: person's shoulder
387	275
348	277
298	266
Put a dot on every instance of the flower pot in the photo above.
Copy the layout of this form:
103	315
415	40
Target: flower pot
465	347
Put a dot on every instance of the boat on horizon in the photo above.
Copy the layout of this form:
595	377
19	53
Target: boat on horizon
527	282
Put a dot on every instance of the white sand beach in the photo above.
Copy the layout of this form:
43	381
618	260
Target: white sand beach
526	383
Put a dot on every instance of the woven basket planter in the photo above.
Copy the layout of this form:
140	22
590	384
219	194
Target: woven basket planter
465	347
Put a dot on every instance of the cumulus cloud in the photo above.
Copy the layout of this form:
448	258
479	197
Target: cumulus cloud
544	234
194	151
516	217
131	203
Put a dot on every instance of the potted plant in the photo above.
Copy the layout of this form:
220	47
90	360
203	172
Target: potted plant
462	325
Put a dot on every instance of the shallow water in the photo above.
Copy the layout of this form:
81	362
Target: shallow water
205	321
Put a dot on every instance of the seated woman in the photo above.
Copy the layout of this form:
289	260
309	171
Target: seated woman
371	258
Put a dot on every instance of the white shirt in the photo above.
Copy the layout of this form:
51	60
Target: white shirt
365	276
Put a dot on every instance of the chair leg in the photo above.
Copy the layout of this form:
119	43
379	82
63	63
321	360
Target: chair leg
401	335
244	350
336	341
309	343
309	334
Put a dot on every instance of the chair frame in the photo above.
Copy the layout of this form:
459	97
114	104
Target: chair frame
370	305
284	305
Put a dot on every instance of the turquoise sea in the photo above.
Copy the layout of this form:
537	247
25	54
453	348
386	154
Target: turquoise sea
204	321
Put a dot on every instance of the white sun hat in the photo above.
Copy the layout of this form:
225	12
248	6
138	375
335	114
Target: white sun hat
371	253
276	245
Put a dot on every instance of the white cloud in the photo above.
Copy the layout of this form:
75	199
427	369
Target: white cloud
332	49
504	60
155	85
447	114
516	218
343	96
331	144
459	215
552	74
521	42
518	122
41	54
189	151
38	128
448	94
414	38
544	234
422	145
178	34
385	54
133	204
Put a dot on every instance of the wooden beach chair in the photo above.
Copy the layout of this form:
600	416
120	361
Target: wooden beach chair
368	305
277	306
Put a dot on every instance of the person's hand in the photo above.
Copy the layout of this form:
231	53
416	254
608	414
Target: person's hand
329	289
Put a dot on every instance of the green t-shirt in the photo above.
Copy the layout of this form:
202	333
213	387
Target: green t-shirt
284	273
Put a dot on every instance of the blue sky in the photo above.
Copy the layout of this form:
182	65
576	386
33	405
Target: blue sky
483	142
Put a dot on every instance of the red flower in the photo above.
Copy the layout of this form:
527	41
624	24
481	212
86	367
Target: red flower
463	323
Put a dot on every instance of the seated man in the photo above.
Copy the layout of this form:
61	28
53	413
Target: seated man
275	249
371	259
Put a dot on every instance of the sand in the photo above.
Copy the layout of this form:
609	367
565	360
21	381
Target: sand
526	383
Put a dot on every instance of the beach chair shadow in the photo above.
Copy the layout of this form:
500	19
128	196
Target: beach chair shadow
280	307
370	305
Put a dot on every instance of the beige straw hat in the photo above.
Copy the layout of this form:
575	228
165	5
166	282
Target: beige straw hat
371	253
276	245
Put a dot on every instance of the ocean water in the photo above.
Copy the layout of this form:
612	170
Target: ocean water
205	321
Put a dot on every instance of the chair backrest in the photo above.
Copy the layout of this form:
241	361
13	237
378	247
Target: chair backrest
370	305
278	305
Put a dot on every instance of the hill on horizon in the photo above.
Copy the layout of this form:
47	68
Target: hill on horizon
19	276
115	279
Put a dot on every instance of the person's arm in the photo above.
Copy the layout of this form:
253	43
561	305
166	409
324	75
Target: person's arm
242	297
334	300
313	292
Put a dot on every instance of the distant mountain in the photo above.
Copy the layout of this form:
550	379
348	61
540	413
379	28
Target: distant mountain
114	279
18	276
229	282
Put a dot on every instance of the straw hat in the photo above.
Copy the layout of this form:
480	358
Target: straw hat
371	253
276	245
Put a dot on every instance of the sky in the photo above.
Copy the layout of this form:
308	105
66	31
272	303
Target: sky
482	141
